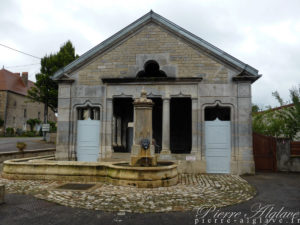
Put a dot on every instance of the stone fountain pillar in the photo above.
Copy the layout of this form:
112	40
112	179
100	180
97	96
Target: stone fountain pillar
142	152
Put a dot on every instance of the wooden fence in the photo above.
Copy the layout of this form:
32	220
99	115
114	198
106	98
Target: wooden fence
264	151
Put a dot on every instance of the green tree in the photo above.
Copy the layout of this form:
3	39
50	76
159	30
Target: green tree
284	122
255	108
32	123
45	89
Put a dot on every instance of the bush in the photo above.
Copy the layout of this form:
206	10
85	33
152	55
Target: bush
29	134
52	126
21	146
19	132
32	123
9	132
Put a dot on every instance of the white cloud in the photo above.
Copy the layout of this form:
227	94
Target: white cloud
263	34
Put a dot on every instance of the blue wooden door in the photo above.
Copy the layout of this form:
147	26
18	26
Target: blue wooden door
88	140
217	146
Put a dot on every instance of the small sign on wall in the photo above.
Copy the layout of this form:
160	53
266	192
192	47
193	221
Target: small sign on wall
190	158
46	127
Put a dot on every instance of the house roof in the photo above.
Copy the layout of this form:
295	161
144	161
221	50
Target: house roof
276	108
245	69
13	82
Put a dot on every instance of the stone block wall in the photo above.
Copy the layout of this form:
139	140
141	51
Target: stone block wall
175	56
285	161
14	109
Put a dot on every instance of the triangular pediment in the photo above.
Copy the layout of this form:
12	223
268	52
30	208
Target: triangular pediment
164	24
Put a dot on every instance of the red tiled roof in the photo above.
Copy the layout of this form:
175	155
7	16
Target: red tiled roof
276	108
13	82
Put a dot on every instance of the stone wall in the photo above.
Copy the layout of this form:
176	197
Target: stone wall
25	154
175	56
285	161
3	99
15	111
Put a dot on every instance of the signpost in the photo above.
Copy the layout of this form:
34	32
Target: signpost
46	127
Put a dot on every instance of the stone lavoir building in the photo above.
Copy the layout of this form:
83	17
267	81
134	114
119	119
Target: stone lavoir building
201	95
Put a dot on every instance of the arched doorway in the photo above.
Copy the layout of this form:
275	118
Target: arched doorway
217	139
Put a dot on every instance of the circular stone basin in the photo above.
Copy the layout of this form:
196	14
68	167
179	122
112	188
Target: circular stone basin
163	175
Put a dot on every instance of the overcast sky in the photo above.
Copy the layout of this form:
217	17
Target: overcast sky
263	34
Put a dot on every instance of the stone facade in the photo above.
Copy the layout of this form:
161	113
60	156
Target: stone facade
192	72
176	57
19	109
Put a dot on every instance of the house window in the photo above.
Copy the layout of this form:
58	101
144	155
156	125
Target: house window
39	115
14	119
25	113
15	103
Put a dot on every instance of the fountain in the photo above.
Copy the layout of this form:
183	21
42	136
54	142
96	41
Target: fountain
143	170
142	152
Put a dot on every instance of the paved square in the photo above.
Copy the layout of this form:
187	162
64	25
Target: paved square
191	192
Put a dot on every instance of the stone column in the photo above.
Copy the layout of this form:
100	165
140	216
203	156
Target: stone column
119	130
108	129
64	120
114	131
194	126
142	152
166	127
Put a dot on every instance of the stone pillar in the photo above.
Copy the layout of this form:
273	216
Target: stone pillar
119	129
64	120
114	131
142	152
166	127
123	132
194	126
108	129
244	130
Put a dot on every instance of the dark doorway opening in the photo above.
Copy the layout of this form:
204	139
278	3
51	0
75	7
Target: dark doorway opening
157	123
121	133
181	125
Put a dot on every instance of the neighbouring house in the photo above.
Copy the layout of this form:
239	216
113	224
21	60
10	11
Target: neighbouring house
201	95
15	107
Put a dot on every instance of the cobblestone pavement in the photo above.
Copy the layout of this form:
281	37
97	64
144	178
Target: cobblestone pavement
191	192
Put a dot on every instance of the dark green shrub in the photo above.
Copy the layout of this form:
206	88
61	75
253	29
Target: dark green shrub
9	132
19	132
52	126
32	123
29	134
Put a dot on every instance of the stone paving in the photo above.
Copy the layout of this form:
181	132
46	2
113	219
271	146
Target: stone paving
190	193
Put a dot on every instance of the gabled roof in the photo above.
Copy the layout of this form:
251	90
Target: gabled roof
156	18
13	82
